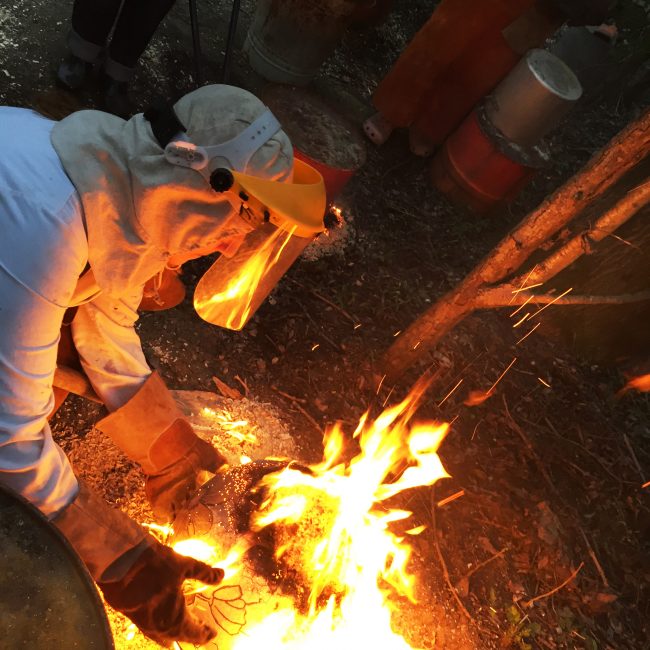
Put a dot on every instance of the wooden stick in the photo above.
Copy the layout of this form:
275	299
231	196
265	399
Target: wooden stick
605	225
594	559
443	564
297	406
528	603
495	298
634	458
606	166
74	382
327	301
480	565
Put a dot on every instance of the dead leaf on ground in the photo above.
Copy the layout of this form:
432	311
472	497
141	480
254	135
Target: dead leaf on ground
226	390
477	397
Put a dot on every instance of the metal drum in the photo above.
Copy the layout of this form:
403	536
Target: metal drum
47	598
478	168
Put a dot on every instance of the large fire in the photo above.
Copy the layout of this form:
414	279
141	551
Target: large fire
334	526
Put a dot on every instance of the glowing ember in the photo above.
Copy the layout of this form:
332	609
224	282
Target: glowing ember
238	429
333	533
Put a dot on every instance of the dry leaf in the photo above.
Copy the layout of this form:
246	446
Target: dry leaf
640	383
226	390
477	397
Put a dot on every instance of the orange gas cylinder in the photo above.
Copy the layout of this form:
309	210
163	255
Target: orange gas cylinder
478	168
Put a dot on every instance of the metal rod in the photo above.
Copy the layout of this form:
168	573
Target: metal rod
196	43
232	28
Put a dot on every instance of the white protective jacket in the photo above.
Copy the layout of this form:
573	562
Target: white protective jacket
96	189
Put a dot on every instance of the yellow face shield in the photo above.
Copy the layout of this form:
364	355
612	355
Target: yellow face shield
285	218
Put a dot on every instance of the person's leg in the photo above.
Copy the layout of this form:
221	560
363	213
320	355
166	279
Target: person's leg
91	24
91	21
135	27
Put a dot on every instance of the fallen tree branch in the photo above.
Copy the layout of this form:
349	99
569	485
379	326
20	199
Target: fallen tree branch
601	172
443	563
581	244
604	168
498	297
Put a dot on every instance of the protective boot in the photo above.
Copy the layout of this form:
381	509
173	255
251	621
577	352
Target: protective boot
116	98
151	430
73	72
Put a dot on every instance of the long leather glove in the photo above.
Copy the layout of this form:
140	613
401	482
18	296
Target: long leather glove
151	430
151	595
139	576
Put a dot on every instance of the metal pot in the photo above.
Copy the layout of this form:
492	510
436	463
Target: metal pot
47	597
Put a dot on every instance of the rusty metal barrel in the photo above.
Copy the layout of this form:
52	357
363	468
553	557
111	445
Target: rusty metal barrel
47	598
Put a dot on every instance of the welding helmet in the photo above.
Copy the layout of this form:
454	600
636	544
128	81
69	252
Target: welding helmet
277	218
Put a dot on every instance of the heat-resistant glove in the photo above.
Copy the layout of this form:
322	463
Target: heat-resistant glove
139	576
151	595
151	430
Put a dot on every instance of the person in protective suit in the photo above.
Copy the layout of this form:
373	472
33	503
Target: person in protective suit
92	207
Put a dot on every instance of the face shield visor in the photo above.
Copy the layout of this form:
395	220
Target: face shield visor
285	218
281	218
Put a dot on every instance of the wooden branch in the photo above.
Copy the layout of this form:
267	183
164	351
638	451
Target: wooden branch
503	297
605	225
528	603
74	382
622	153
601	172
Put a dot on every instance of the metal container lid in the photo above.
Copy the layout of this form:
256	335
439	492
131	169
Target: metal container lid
554	74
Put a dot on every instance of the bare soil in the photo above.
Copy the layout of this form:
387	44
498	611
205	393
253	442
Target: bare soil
548	547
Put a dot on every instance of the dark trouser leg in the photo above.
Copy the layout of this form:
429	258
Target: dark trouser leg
135	26
92	21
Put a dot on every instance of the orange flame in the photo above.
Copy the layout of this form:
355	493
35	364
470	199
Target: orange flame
340	533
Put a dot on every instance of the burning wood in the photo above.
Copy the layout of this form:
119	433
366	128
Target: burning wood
311	553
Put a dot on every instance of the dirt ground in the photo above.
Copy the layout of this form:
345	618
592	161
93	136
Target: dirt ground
552	466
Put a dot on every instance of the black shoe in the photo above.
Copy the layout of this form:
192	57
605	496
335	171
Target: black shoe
116	98
74	72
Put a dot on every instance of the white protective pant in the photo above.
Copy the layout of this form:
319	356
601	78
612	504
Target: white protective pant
43	251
